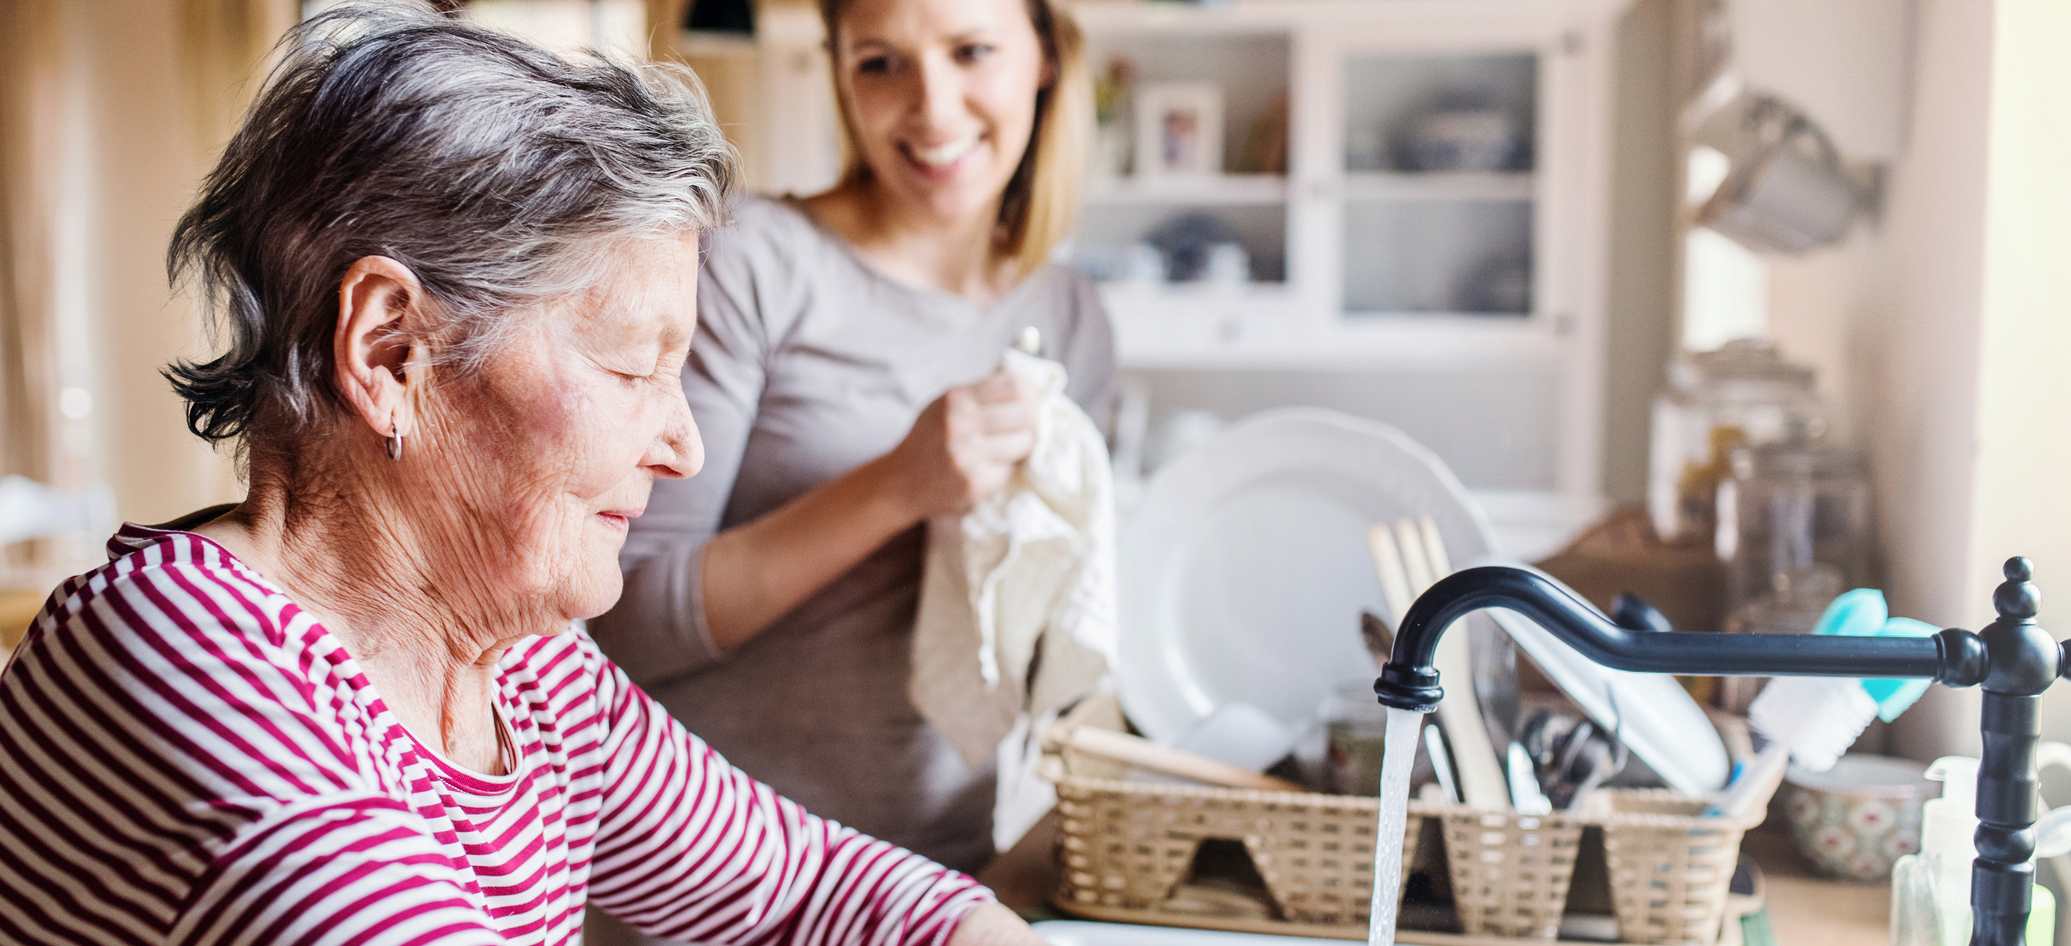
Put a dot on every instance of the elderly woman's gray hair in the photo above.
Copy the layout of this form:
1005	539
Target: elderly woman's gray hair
502	175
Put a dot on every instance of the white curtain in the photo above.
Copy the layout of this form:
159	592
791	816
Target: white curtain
28	57
109	115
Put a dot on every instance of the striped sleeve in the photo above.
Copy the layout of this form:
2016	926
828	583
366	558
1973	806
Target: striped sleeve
693	849
166	776
358	870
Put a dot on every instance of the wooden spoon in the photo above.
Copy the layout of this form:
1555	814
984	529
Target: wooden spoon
1166	760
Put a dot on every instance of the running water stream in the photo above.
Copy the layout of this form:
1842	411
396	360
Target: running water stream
1398	752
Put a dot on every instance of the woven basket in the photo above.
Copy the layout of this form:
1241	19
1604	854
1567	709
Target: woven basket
1510	872
1129	844
1670	869
1126	846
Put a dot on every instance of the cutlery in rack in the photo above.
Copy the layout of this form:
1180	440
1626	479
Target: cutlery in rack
1409	557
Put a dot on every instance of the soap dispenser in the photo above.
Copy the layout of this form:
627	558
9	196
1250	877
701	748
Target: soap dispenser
1930	891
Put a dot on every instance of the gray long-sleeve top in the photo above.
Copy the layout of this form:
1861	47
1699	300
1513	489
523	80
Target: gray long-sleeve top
807	364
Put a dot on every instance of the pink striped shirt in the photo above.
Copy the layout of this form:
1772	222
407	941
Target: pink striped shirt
186	756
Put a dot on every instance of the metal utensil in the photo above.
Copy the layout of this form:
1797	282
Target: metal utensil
1525	794
1441	756
1571	755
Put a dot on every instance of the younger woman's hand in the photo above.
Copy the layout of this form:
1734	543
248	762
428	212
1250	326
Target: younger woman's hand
964	446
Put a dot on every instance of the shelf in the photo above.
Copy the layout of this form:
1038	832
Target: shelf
1155	348
1218	190
1164	298
1264	326
1425	337
1440	185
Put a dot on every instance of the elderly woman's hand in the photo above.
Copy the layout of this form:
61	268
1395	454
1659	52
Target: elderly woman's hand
994	925
965	445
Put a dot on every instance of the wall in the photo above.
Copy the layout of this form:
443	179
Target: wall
1919	332
1939	336
2023	442
1640	328
1892	321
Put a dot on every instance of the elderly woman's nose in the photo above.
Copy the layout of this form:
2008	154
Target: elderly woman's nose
679	453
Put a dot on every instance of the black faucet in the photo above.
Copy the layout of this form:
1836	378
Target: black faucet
2013	659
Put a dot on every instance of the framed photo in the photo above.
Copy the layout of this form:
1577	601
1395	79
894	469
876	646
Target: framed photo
1178	128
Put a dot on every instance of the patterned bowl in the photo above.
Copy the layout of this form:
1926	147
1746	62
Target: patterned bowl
1857	819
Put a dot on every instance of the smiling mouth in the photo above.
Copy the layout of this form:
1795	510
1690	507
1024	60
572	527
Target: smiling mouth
943	158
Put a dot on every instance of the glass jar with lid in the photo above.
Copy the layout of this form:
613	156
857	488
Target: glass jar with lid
1794	533
1741	394
1790	512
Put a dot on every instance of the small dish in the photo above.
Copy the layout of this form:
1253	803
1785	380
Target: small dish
1462	139
1858	818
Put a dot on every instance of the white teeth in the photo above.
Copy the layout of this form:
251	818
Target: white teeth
941	155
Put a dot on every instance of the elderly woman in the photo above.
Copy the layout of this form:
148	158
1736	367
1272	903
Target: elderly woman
458	277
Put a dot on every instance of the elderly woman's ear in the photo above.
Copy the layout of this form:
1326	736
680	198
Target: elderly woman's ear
378	353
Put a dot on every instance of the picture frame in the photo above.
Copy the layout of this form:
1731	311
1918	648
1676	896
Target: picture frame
1179	129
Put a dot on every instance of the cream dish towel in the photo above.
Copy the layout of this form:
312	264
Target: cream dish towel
1017	607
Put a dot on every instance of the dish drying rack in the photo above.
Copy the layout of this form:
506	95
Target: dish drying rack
1127	846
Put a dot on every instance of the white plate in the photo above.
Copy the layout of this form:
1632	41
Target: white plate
1245	568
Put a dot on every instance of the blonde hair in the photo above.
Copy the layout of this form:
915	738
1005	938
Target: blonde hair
1041	202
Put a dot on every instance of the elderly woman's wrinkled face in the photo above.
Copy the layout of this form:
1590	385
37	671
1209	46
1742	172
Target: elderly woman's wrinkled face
941	95
554	445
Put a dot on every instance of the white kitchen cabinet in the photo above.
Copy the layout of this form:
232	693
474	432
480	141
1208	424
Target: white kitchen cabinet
1362	261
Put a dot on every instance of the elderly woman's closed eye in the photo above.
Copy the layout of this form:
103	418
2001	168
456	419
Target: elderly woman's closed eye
456	276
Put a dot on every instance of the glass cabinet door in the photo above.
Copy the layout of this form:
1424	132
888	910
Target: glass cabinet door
1439	192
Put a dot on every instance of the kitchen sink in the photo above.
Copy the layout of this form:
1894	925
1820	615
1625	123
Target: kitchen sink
1083	933
1574	929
